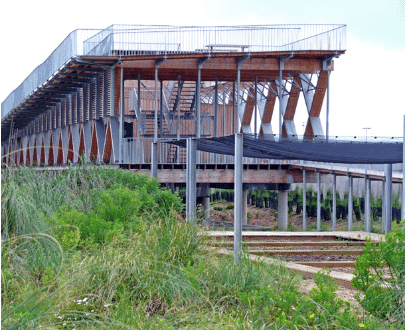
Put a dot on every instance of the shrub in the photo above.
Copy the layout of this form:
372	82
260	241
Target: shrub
380	274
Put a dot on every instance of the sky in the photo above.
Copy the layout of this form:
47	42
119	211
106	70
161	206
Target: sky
366	87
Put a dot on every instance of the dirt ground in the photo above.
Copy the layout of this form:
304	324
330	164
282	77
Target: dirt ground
343	293
266	217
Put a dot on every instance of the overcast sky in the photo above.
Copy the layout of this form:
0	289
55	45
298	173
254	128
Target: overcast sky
367	86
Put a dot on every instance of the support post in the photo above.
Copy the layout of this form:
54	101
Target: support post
282	208
155	135
255	107
237	245
403	175
216	107
138	128
367	204
280	99
384	213
223	109
191	186
223	116
334	202
121	127
304	200
178	110
154	160
350	205
238	96
327	106
198	103
388	198
161	111
233	108
215	113
318	202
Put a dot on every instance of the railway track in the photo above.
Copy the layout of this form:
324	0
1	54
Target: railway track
337	251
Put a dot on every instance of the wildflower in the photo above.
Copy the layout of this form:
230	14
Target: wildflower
312	316
361	325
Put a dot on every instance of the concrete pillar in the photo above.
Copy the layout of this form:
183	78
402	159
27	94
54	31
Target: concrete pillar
205	192
244	207
282	221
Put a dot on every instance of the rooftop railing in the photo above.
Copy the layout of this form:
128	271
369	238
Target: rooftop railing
144	39
163	39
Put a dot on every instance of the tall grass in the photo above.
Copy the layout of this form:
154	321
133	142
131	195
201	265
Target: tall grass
151	270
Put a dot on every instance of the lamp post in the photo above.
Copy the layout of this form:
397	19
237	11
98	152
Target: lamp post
366	128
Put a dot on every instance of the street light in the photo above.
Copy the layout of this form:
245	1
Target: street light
366	128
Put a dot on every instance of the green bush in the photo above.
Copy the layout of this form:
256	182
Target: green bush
380	274
277	306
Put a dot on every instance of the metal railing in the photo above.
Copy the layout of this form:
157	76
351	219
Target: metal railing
147	39
163	39
71	46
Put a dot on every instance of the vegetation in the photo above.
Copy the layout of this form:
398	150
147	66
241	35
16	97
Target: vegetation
380	274
94	248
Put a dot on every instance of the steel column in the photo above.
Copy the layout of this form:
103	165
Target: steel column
388	198
138	123
403	175
224	109
154	159
367	210
238	188
215	113
156	102
350	205
280	99
198	103
255	107
318	202
178	113
327	106
334	202
178	118
238	96
233	108
216	107
384	213
161	111
223	115
304	200
191	181
121	104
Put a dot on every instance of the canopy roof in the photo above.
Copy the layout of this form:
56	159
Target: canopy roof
336	151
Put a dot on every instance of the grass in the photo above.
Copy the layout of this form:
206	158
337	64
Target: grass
150	269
